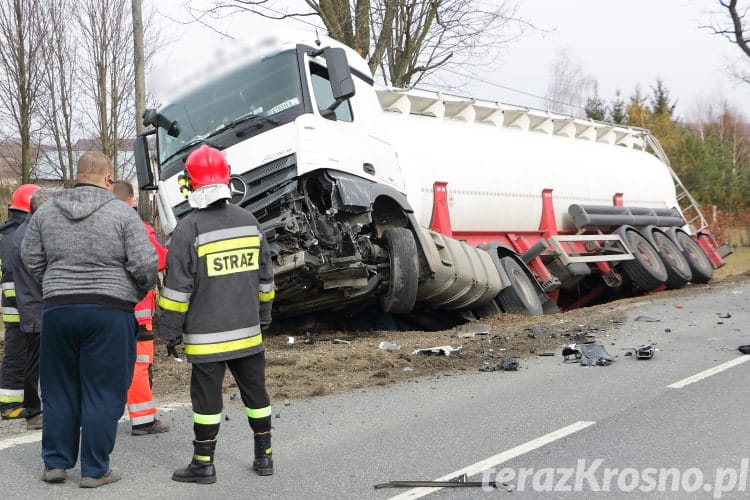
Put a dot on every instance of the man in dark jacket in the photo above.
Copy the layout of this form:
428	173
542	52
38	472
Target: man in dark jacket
95	262
14	355
218	291
29	302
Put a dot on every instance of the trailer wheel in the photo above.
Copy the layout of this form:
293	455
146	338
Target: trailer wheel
647	270
699	264
401	294
520	297
678	269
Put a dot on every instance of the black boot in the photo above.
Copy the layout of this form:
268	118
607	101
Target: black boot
263	463
201	469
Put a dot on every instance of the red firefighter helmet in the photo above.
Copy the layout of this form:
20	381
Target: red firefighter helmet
206	166
21	199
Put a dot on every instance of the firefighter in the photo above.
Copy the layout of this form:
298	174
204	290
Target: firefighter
14	359
217	297
141	407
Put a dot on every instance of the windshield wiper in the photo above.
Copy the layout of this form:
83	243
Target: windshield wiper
229	126
249	118
190	145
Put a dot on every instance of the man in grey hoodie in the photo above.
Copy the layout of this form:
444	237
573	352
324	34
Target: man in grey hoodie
95	262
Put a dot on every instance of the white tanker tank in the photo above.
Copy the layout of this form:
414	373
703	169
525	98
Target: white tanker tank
497	159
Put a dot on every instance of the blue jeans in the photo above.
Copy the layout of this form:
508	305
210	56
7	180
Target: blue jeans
86	360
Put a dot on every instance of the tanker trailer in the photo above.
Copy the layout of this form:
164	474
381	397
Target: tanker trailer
410	201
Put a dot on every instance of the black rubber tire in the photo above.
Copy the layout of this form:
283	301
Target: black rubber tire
401	294
521	296
678	269
646	270
699	264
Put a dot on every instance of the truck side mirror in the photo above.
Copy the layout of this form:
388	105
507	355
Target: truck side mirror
156	119
143	163
339	73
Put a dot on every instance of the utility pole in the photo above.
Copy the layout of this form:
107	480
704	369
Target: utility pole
144	203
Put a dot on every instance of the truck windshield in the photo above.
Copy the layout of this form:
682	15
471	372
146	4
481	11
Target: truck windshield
262	89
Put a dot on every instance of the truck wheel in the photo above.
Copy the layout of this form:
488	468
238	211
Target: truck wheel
699	264
678	269
401	294
646	270
520	297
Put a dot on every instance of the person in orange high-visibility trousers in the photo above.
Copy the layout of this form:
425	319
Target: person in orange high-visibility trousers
141	406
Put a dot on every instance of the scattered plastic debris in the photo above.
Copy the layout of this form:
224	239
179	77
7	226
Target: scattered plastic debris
388	346
647	319
645	351
341	341
546	354
504	364
724	315
309	338
744	349
594	354
290	340
667	330
678	306
571	350
444	350
408	369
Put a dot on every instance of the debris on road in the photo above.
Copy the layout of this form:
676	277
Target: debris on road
290	340
458	482
505	364
647	319
595	355
645	351
444	350
309	338
388	346
724	315
341	341
546	354
571	350
744	349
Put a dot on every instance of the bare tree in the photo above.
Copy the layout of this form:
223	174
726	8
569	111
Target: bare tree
569	85
60	52
405	40
107	78
732	24
22	70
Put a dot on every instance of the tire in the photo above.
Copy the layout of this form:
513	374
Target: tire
678	269
699	264
646	270
401	294
521	296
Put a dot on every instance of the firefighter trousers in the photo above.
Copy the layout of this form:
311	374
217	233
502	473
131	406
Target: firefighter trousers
206	394
141	407
12	368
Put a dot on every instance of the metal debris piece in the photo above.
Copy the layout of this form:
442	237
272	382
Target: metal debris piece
388	346
341	341
547	354
444	350
647	319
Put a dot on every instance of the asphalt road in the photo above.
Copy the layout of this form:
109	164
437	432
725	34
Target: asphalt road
635	428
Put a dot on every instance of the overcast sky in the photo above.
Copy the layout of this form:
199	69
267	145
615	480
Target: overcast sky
620	43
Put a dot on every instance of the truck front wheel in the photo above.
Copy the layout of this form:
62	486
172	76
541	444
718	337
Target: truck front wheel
401	294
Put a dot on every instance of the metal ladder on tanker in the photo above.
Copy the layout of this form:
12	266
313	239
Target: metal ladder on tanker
685	201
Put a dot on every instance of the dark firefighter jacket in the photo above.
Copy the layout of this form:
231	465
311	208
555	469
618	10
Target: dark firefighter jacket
11	317
218	287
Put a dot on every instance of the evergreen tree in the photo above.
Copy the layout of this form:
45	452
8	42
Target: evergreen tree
617	110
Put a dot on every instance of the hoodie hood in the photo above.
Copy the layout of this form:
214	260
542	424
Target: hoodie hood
80	202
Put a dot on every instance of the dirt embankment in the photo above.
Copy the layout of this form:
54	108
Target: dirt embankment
338	361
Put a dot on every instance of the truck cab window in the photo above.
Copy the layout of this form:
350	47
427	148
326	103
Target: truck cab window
321	87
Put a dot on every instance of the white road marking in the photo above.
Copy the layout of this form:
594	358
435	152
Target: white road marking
707	373
502	457
30	437
34	436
